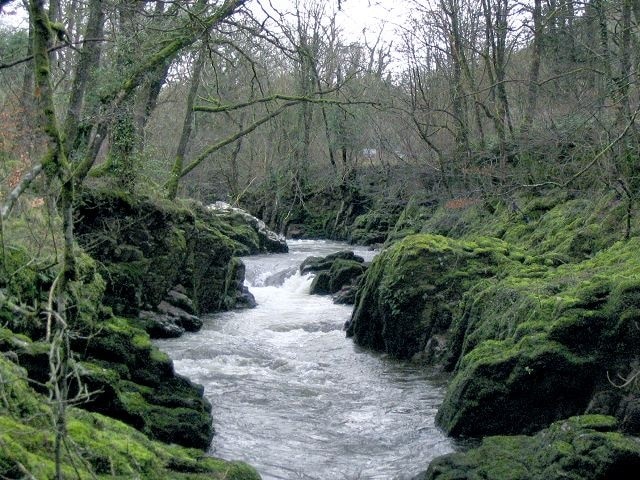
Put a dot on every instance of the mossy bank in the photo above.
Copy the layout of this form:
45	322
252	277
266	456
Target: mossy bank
132	253
532	304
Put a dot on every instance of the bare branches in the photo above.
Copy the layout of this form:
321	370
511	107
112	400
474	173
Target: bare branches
202	157
593	161
54	48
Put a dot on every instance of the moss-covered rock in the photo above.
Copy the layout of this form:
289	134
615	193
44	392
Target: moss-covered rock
335	272
539	343
533	322
505	387
129	379
579	448
372	227
248	230
97	446
146	247
412	289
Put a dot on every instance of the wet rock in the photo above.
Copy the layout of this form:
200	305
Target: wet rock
346	295
277	279
158	325
321	283
314	264
245	299
338	273
242	297
189	322
181	300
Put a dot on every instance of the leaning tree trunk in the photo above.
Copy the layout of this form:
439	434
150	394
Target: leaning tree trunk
187	126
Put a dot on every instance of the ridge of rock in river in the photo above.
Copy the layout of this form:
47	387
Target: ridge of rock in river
337	274
532	324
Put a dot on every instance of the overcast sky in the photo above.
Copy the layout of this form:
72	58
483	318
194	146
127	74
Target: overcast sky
355	16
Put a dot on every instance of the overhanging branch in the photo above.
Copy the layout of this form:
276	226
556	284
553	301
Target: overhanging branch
278	96
202	157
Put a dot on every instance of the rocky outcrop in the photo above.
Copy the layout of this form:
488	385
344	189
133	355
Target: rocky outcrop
168	264
337	274
267	240
579	448
410	292
530	340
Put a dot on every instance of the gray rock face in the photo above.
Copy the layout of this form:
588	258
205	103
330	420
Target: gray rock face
178	298
158	325
269	240
189	322
171	317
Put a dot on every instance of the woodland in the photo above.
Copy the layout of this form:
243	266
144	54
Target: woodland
500	135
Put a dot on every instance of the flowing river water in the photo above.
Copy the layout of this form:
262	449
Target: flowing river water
296	399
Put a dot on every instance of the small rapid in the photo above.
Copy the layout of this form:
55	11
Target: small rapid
296	399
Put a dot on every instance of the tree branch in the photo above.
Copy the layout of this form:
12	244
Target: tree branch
278	96
593	160
51	49
18	190
235	137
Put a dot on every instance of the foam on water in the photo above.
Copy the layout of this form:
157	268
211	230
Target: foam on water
295	398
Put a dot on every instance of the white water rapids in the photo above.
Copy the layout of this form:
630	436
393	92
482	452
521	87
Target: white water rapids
296	399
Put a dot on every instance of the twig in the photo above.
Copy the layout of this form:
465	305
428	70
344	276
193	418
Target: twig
51	49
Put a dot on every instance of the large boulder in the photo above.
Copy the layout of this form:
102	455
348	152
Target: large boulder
539	345
579	448
411	291
263	239
146	248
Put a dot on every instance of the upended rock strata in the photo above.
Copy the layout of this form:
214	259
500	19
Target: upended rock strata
337	274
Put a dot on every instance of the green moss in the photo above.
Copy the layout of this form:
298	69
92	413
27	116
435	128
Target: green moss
411	292
146	247
372	227
100	447
579	448
557	290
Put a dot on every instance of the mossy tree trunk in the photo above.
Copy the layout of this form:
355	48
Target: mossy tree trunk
57	169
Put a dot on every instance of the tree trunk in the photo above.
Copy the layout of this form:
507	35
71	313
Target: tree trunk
87	64
534	68
187	126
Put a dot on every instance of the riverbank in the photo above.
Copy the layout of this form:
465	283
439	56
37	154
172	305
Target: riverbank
143	266
532	305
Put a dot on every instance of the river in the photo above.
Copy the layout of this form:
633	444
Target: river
296	399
